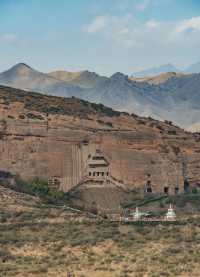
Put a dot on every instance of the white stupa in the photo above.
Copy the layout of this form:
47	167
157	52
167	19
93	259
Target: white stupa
137	214
170	215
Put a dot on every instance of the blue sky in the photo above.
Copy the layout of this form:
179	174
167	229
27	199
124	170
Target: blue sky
99	35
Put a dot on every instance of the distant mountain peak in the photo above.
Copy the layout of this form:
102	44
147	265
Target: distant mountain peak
167	65
158	79
157	70
119	76
21	69
193	68
21	65
87	73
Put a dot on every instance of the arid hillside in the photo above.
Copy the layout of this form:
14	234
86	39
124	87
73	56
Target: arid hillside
40	240
45	136
170	96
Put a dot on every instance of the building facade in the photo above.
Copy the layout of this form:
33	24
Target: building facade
97	166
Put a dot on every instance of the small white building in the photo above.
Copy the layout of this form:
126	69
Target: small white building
170	215
137	215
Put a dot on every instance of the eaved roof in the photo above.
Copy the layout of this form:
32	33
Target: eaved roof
98	159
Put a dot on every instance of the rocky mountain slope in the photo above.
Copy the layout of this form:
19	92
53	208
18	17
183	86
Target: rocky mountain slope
169	96
83	79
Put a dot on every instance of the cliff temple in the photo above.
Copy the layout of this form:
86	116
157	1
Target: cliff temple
88	164
97	166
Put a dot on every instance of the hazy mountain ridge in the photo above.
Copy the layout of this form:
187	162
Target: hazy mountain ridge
158	79
156	71
150	72
84	79
23	76
194	68
64	75
170	96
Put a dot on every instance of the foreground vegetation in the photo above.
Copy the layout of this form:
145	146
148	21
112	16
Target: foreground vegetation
41	237
46	241
39	188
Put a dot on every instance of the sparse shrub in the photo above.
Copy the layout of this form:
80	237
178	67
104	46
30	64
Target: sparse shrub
11	117
22	116
194	190
3	218
168	122
162	205
4	255
34	116
40	188
172	132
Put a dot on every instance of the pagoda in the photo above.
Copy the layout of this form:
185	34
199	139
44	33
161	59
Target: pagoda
170	215
137	214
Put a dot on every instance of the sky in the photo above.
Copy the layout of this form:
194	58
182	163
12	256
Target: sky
105	36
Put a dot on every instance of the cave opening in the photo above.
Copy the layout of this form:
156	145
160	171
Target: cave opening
166	190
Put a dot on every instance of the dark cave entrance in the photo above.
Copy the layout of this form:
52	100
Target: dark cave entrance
166	190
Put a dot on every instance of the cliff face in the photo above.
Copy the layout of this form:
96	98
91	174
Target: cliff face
43	136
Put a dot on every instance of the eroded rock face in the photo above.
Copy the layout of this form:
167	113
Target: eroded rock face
40	142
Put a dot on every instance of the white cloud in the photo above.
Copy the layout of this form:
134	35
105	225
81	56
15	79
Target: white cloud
127	32
117	28
9	38
185	32
151	24
97	25
188	25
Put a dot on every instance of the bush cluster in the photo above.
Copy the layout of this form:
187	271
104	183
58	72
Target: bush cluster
41	189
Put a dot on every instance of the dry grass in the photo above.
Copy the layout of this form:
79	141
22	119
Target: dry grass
54	105
38	247
45	241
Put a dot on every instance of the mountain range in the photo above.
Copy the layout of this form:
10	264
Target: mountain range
194	68
169	96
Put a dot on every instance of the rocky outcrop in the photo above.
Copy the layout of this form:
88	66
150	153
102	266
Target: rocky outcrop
45	136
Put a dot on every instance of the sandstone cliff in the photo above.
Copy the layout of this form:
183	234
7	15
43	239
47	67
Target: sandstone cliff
47	136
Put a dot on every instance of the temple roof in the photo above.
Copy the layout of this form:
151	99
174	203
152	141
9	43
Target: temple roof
98	159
